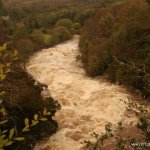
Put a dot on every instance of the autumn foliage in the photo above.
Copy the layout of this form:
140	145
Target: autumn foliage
116	42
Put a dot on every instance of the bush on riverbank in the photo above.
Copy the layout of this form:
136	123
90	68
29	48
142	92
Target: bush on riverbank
62	33
67	23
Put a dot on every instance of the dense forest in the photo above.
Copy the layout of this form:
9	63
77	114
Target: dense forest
114	42
117	44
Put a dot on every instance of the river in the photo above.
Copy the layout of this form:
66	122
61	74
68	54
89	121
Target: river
87	104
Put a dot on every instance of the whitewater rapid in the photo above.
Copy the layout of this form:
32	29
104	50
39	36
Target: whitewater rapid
87	104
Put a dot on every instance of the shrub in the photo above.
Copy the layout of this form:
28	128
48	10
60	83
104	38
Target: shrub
39	23
63	33
36	36
21	33
25	48
47	39
42	39
65	23
77	28
52	18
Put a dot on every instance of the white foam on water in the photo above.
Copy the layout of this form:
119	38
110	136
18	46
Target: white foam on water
87	104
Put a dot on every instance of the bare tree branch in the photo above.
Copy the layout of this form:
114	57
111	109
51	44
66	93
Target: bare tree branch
133	66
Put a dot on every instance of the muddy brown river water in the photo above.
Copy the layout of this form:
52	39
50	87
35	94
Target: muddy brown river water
88	104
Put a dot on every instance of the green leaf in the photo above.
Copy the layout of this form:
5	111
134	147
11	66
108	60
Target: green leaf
4	131
35	116
5	141
48	113
11	133
9	143
34	123
26	129
43	119
26	121
19	138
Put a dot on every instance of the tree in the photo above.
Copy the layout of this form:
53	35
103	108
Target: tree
62	32
77	27
26	49
52	18
65	23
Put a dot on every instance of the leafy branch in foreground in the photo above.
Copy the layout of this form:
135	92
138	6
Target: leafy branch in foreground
8	137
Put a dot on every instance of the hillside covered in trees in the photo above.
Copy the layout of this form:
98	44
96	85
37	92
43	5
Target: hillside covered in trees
36	24
116	42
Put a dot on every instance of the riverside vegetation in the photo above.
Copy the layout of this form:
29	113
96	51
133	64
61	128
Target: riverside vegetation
117	44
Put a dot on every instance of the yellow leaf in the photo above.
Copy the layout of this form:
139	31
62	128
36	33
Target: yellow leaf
19	138
35	116
43	119
5	46
26	122
25	129
11	133
34	123
9	143
48	113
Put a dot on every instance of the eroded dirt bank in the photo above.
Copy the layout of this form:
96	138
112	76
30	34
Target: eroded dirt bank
87	104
